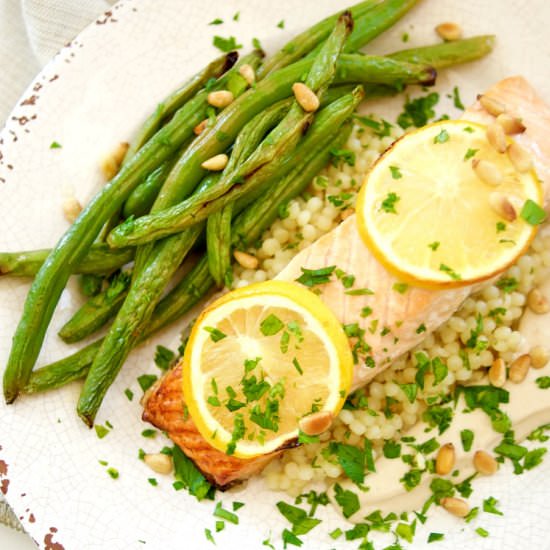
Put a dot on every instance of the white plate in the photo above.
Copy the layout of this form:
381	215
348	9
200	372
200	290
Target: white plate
92	95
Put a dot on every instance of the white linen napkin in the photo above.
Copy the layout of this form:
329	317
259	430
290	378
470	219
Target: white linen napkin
31	32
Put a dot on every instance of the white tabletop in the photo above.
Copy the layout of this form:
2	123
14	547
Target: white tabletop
10	539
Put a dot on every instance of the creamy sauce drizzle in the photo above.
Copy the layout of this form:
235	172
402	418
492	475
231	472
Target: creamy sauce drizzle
529	408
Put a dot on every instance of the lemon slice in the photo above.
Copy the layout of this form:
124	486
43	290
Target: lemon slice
260	359
442	207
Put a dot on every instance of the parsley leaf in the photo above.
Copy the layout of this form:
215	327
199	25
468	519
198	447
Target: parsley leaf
189	476
312	277
348	500
543	382
418	112
215	334
164	357
388	204
442	137
467	438
226	44
532	213
271	325
395	172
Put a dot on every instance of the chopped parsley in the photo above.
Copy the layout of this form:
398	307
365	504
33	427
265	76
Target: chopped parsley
271	325
400	287
470	153
532	213
507	284
113	472
189	477
342	155
297	366
298	518
208	535
359	292
456	99
145	381
501	226
391	449
256	44
164	357
281	24
434	537
347	500
216	21
129	394
490	506
55	145
101	431
467	438
388	204
442	137
226	44
215	334
149	433
312	277
450	272
482	532
543	382
222	513
410	391
418	112
395	172
434	246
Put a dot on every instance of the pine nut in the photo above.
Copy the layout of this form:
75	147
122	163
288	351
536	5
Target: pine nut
539	357
245	260
220	98
455	506
538	303
497	137
519	157
484	463
510	124
159	463
445	460
519	369
306	97
110	165
71	209
497	373
200	127
316	423
487	172
449	31
247	72
492	106
216	163
503	206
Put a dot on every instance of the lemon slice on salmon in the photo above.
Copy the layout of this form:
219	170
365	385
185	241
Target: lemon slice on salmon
443	207
259	361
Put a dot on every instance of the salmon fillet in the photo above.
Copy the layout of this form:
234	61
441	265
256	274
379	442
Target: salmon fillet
164	407
402	314
405	314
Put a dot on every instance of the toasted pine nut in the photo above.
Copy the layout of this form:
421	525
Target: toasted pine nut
503	206
220	98
519	157
519	369
492	106
316	423
247	72
159	462
484	463
71	209
345	214
497	137
449	31
200	127
245	260
538	303
445	460
487	172
539	357
306	97
497	373
455	506
110	165
510	124
216	163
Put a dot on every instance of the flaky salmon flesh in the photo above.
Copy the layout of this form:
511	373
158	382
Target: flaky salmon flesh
401	313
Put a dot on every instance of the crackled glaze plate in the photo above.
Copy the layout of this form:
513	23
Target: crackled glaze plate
91	96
